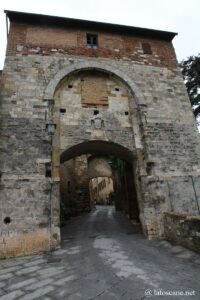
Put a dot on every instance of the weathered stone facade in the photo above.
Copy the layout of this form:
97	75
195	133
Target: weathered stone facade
183	229
74	189
121	98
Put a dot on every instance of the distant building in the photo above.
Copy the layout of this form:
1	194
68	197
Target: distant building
101	189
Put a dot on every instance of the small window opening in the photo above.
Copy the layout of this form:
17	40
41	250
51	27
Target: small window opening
63	110
146	47
48	170
117	89
92	40
126	113
149	167
96	112
70	86
7	220
48	173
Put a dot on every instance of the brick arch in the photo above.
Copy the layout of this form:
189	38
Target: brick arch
104	67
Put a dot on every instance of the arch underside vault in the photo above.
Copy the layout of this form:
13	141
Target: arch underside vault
99	148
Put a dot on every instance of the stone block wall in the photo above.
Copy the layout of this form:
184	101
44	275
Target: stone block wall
74	188
183	230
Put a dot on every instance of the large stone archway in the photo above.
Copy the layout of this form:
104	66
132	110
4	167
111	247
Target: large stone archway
80	120
137	106
89	65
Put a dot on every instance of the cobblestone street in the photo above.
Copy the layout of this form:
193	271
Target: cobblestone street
103	256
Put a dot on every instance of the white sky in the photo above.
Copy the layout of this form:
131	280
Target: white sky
181	16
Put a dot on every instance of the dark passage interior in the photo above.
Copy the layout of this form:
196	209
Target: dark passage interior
97	173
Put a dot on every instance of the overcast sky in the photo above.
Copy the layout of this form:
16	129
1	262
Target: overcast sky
181	16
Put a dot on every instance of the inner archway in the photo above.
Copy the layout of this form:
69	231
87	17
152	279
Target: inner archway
97	172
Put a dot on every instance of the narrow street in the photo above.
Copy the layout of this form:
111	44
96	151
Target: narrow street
103	256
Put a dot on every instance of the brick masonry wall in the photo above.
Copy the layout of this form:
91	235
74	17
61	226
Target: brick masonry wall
26	39
183	230
159	129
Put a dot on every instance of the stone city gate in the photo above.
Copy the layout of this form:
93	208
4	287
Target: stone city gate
60	99
94	111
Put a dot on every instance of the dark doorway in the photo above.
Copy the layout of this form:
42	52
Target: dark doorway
80	186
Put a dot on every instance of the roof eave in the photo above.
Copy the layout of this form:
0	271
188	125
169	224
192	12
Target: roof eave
61	21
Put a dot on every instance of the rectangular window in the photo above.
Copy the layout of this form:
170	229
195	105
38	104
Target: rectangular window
92	40
146	47
48	169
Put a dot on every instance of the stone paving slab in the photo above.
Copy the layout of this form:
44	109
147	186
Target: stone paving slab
111	265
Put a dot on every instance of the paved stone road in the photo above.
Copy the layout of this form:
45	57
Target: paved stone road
103	257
